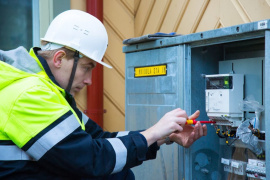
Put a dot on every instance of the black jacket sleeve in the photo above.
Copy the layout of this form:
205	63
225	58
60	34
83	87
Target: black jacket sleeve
79	155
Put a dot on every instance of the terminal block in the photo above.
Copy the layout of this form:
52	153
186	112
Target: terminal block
234	166
256	169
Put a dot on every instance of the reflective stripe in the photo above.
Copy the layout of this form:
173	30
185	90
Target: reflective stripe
12	153
121	154
52	137
84	118
122	133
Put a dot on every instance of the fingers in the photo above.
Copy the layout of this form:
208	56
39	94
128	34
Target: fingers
181	121
195	115
197	130
178	116
182	113
204	130
189	135
178	128
200	130
190	140
179	113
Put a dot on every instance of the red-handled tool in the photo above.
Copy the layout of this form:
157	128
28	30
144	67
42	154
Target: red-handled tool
193	121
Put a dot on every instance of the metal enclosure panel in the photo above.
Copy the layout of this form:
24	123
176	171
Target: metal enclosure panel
149	98
267	99
228	34
201	54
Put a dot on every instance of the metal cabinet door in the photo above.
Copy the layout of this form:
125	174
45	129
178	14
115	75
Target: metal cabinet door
148	98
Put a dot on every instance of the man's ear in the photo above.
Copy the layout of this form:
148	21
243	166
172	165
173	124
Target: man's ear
58	57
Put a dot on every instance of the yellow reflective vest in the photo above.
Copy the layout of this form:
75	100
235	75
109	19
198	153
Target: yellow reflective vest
27	93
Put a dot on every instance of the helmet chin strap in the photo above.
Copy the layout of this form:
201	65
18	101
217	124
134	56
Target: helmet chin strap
71	78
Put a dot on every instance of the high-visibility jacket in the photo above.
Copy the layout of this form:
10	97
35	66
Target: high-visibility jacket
43	135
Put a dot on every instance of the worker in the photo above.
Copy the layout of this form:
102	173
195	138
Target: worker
44	135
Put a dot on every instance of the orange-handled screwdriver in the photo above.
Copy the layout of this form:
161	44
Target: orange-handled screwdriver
193	121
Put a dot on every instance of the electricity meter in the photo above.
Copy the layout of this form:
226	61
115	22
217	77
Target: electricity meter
223	96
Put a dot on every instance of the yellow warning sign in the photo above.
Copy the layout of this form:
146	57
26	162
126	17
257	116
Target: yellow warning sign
159	70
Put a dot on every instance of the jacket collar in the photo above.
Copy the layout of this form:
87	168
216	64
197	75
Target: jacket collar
45	66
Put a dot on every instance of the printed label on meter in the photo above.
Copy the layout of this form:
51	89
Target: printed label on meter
158	70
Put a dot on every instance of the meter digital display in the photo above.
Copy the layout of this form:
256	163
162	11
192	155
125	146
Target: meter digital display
221	82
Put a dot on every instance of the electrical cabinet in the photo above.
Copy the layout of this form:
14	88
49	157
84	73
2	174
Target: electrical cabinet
224	73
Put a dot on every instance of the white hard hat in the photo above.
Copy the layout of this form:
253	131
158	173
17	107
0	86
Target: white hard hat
80	31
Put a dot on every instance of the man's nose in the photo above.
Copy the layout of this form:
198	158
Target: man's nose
88	80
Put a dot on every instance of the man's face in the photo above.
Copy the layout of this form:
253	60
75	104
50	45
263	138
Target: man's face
83	75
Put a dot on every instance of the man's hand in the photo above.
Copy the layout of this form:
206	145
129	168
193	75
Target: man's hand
173	121
190	133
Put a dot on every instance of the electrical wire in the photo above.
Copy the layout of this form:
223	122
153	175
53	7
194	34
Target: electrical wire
233	141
